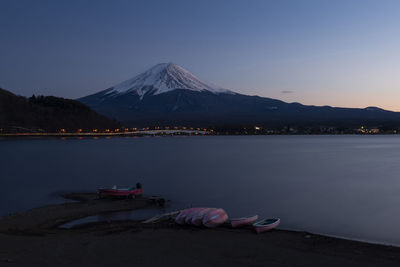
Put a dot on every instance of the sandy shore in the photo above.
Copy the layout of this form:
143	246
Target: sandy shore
32	239
45	218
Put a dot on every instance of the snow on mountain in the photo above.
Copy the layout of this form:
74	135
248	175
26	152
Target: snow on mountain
163	78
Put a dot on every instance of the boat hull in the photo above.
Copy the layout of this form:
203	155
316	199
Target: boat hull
120	193
214	218
180	219
264	228
191	214
197	219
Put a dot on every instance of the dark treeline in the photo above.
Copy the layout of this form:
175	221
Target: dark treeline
48	114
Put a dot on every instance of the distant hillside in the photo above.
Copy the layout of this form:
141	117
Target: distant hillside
47	113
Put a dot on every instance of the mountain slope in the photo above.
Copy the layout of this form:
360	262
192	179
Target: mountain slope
169	95
161	78
48	113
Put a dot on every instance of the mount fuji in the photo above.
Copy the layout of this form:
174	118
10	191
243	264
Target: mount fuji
167	94
163	78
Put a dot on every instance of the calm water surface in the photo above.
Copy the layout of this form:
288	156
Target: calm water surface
346	186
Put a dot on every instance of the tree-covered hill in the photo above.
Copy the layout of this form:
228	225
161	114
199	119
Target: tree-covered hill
48	113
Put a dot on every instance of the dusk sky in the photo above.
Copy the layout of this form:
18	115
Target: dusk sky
339	53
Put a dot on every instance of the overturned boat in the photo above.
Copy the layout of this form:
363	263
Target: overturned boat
214	218
208	217
197	219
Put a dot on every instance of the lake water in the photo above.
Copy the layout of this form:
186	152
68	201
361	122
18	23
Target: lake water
346	186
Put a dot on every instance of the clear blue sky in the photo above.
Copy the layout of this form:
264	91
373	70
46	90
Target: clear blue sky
340	53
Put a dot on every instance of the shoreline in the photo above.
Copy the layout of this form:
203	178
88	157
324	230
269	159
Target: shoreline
98	134
47	218
35	234
110	136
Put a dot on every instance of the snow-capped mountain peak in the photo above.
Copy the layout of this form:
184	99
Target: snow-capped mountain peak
163	78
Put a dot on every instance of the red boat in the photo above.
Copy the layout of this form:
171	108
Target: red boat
131	192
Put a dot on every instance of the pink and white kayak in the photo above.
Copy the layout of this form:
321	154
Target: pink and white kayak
266	225
244	221
214	217
180	219
189	215
197	219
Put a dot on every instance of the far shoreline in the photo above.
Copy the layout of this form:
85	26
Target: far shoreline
99	135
